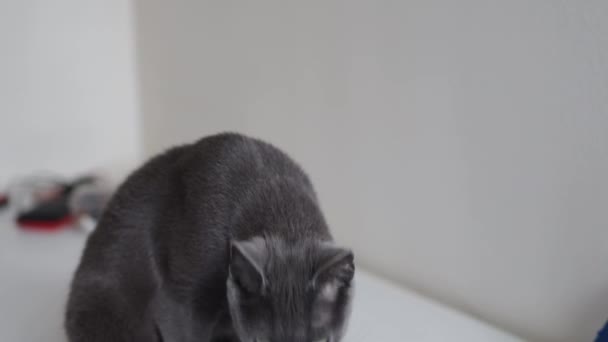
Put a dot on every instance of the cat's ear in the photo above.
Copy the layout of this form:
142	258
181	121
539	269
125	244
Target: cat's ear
247	260
335	268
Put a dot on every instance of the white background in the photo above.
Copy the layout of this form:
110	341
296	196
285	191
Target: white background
67	86
461	147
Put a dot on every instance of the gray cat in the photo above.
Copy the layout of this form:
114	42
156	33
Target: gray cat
221	240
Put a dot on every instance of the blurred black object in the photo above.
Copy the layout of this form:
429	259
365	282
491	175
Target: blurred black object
53	210
3	201
48	202
48	215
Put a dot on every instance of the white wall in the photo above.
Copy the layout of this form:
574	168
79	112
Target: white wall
460	147
67	86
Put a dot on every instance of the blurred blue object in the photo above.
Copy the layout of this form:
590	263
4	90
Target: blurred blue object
602	336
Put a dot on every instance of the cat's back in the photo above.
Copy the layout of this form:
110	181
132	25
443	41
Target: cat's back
215	165
236	158
228	165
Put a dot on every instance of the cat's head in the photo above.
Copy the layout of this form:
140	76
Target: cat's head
281	292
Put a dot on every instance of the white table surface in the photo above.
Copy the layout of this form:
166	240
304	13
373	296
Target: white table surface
35	270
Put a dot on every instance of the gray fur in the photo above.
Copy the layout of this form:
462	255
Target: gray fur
220	240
